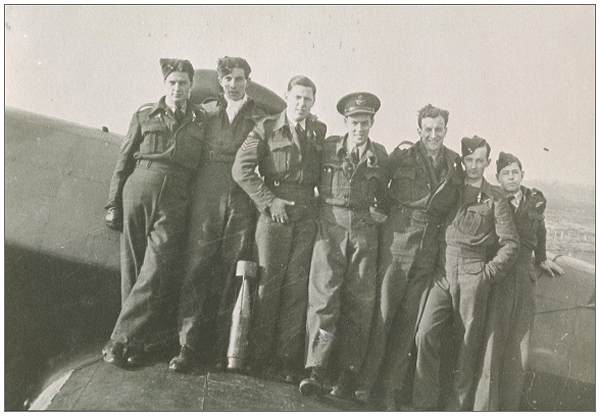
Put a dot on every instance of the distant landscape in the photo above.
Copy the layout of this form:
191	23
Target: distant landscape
570	219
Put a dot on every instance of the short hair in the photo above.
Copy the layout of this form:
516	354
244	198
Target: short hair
430	111
227	64
303	81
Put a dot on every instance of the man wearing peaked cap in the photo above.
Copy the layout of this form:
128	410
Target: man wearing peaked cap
481	245
512	304
358	103
343	274
409	254
148	199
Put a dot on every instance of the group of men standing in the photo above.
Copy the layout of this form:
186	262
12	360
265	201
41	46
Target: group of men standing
359	259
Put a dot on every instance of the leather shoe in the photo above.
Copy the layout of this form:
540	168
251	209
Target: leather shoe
113	353
313	385
134	359
184	361
344	388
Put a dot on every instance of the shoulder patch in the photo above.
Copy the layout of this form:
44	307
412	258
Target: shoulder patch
251	142
404	145
145	107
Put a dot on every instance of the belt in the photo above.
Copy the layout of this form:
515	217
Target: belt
161	165
345	203
468	252
212	156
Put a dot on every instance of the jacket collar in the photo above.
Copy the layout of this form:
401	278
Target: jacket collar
161	105
369	154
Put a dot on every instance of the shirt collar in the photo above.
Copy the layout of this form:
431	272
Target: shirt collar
366	148
518	197
293	123
282	121
162	105
235	105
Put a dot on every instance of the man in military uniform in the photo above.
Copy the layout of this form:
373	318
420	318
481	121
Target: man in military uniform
482	244
222	222
512	306
407	256
148	198
287	150
342	282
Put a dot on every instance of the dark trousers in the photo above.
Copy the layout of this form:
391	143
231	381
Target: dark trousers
279	316
461	298
155	202
342	289
398	297
511	312
221	228
399	360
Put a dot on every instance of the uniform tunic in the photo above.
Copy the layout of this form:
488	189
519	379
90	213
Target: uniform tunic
221	231
342	283
289	167
407	262
511	315
151	184
482	244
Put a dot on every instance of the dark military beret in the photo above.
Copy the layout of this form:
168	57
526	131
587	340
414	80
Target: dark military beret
505	159
176	65
469	144
358	102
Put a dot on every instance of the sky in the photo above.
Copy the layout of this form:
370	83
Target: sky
523	77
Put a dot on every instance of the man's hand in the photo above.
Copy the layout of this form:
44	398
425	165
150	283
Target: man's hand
277	209
551	268
114	219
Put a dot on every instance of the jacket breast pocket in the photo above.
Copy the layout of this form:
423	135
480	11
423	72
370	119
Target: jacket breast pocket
402	186
328	172
279	155
188	147
155	135
476	219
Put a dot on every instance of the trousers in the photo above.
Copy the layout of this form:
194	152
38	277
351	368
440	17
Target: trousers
155	203
279	316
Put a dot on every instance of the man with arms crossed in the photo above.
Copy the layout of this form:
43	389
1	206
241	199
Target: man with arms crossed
482	244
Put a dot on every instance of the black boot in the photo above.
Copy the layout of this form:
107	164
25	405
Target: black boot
314	383
184	361
345	386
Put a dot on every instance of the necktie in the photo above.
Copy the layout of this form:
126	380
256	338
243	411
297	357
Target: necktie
355	155
300	132
178	114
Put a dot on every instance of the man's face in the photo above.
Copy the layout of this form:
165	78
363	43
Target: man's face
510	177
177	86
358	126
432	133
234	84
300	100
475	163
